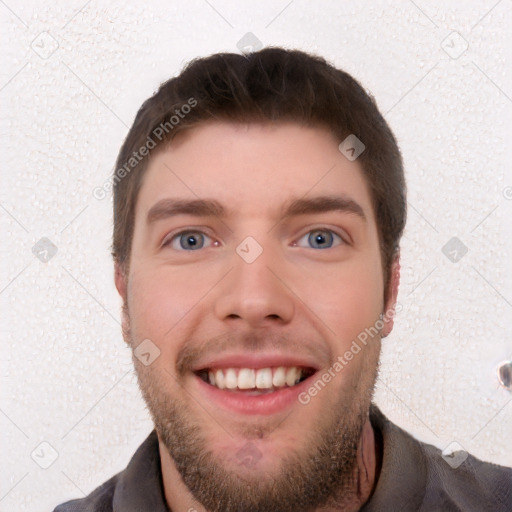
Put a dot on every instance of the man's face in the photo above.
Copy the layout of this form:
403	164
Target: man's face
252	302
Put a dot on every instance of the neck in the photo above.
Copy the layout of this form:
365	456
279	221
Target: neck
368	461
179	498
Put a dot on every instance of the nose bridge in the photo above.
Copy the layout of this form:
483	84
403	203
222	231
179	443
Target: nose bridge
252	292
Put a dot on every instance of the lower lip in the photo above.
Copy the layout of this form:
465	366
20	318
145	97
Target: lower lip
243	403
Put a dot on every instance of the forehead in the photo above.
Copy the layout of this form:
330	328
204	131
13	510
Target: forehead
252	168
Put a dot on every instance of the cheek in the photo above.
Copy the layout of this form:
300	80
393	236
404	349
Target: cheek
346	298
159	300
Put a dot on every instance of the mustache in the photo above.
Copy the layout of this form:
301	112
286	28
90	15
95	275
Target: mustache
254	342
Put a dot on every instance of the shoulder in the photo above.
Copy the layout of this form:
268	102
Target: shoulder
418	476
467	483
138	487
100	500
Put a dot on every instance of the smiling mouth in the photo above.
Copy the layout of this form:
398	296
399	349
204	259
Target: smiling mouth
255	380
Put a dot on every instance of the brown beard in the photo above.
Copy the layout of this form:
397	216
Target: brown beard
322	474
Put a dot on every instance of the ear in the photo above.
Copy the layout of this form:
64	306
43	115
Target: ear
120	279
391	299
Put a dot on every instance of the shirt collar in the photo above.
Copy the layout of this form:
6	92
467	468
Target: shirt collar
403	474
140	486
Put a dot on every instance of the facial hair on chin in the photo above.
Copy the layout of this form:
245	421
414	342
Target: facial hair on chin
322	473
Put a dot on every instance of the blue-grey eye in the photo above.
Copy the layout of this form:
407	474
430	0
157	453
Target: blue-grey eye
320	239
189	240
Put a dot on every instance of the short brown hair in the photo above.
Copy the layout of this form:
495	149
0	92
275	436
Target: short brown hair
273	84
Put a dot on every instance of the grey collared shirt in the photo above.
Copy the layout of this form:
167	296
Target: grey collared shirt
413	477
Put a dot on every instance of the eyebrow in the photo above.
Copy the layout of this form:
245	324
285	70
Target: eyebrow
197	207
323	204
211	208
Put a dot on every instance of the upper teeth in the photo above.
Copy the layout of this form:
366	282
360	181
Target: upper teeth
250	378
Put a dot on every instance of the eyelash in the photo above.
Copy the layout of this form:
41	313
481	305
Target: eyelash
168	241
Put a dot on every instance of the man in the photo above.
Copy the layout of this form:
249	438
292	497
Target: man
259	202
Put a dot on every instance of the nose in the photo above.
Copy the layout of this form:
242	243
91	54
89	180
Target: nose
255	293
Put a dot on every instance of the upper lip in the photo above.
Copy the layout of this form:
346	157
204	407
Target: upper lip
254	360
